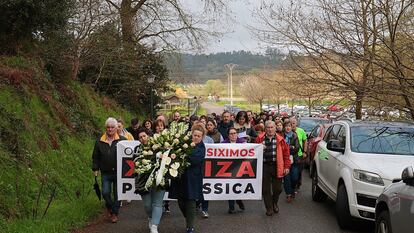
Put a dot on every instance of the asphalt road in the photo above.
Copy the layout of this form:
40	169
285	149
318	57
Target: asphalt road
210	107
303	215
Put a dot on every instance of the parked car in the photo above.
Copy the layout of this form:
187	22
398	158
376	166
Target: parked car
314	137
308	123
394	211
356	160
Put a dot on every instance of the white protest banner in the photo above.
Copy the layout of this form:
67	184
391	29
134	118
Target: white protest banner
233	171
126	169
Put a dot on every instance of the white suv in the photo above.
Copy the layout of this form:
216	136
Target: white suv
356	160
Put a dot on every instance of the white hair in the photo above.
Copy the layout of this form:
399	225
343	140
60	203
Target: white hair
268	123
111	121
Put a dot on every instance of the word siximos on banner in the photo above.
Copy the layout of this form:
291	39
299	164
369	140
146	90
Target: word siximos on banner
231	172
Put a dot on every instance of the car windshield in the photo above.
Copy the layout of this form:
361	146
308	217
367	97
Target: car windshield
309	124
382	140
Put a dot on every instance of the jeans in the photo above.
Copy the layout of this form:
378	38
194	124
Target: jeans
109	185
272	185
291	179
153	205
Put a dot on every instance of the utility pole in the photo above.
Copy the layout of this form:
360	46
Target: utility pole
231	66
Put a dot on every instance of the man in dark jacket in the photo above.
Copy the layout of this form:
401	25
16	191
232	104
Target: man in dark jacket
134	128
225	124
104	160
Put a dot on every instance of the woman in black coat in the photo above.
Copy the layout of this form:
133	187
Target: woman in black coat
189	187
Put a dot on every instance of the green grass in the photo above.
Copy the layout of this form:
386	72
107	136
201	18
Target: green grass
46	141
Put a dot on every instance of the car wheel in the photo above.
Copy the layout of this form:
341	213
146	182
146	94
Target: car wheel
343	215
311	167
383	223
317	193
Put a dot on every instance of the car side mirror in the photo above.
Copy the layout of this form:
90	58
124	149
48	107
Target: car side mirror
335	145
408	175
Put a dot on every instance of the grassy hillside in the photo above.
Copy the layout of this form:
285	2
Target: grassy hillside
47	131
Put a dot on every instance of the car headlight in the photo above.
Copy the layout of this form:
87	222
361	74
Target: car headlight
368	177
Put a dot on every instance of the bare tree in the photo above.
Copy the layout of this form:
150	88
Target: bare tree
254	89
333	42
87	17
394	58
164	22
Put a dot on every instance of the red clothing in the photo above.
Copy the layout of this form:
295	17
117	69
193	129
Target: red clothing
282	154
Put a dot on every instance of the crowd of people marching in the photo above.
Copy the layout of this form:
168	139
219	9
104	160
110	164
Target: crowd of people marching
283	153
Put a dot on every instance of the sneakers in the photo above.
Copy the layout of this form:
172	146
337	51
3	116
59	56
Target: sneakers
190	230
154	229
204	214
114	218
232	211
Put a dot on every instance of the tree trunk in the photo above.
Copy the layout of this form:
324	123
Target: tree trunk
358	105
127	22
75	68
261	104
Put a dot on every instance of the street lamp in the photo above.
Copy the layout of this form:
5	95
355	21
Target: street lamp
151	80
231	66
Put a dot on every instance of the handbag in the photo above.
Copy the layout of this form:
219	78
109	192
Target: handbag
140	182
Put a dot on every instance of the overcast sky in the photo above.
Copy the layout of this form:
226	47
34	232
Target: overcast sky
238	37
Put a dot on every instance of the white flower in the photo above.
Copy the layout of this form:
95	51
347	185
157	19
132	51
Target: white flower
158	155
137	164
192	144
166	144
145	161
154	147
145	152
176	141
185	146
189	133
156	136
186	138
150	152
167	160
164	132
175	165
173	172
177	135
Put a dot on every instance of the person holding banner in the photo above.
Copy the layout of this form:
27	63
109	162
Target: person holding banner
152	199
104	160
290	180
276	165
233	138
215	135
189	187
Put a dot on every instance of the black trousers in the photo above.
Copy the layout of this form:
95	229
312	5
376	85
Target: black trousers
271	185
